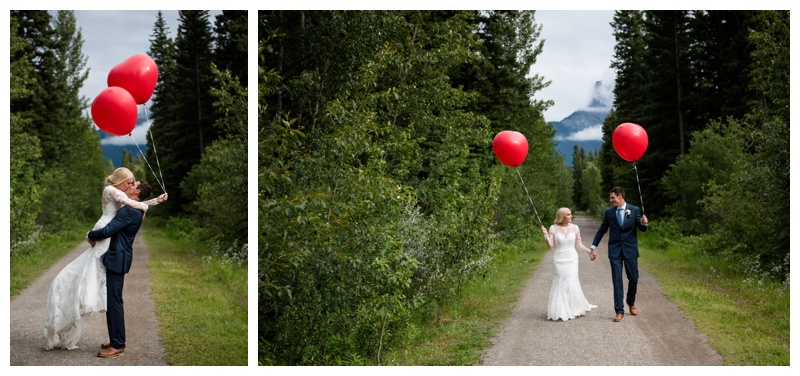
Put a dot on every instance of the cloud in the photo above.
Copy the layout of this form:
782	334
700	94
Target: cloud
578	49
594	133
137	137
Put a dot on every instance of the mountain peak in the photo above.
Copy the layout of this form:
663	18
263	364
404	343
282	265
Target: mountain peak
602	96
583	126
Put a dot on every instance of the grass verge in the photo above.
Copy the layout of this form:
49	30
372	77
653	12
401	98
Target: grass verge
201	301
745	318
456	332
25	269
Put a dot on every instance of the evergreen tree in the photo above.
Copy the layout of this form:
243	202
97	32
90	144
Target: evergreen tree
231	43
719	64
500	78
629	95
375	165
25	154
221	176
69	146
578	164
183	112
162	51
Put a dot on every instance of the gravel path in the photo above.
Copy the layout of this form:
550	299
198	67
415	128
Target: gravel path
141	324
658	336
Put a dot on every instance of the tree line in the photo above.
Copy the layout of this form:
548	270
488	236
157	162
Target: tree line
711	88
199	125
379	194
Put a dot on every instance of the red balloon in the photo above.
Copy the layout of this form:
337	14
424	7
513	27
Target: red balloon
114	111
510	147
630	141
138	75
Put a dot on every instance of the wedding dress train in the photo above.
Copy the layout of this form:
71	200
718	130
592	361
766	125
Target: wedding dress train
80	288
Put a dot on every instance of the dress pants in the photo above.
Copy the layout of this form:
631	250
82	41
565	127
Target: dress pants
115	313
632	271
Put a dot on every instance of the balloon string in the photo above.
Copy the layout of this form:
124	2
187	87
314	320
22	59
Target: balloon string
148	163
155	152
529	197
638	185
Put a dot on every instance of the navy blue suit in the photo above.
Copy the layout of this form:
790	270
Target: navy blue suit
623	248
122	229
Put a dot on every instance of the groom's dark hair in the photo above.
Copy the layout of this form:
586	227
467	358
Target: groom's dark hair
619	191
144	190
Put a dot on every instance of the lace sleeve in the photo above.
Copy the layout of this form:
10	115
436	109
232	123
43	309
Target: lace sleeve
550	237
578	244
122	198
151	202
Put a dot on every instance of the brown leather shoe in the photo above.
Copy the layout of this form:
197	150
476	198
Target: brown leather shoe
633	310
110	352
618	318
108	345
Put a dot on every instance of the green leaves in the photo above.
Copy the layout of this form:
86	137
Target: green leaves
377	187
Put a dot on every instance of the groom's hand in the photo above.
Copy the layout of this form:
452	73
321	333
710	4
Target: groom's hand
91	242
592	255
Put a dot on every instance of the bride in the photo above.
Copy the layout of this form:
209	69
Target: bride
80	288
566	296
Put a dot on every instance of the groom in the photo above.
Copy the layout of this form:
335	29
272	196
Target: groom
623	248
122	229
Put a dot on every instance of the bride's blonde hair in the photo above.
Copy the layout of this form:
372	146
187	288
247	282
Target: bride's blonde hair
118	176
560	214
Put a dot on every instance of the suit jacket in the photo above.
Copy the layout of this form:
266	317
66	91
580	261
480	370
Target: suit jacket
622	239
122	229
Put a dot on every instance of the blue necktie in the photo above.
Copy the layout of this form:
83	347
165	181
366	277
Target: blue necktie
619	216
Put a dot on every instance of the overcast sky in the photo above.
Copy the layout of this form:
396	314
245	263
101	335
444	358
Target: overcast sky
577	52
111	37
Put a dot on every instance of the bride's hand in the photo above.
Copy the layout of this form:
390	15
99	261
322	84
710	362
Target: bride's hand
544	231
162	198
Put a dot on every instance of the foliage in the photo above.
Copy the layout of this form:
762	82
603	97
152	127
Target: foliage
25	157
455	332
52	140
230	53
593	196
377	186
200	107
220	179
719	79
713	159
183	114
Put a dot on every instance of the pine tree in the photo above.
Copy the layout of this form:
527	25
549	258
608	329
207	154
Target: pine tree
629	99
162	51
578	164
69	146
183	112
25	154
231	43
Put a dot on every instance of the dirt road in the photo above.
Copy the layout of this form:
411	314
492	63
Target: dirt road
141	324
658	336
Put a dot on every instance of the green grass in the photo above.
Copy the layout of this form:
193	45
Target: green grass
201	301
456	332
745	318
27	268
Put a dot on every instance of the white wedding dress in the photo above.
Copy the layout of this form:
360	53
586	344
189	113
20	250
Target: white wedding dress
80	288
566	296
